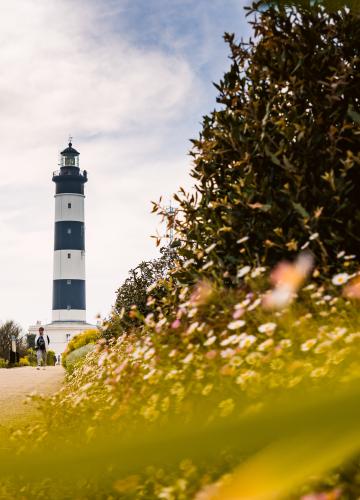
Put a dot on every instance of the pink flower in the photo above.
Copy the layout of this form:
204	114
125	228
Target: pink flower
211	354
238	313
287	278
352	289
175	324
201	294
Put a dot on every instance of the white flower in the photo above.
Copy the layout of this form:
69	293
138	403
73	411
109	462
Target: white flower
338	333
340	254
249	374
242	304
349	257
340	279
309	287
246	340
257	271
151	287
210	248
243	271
192	327
266	345
234	325
253	306
149	374
227	353
352	337
278	298
306	346
242	240
233	339
267	328
207	265
323	347
313	236
285	343
188	358
192	312
210	341
305	245
149	353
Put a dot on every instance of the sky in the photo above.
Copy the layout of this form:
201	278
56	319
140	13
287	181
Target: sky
130	80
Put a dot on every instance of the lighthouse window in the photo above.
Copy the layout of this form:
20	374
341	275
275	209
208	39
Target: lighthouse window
68	308
69	205
68	337
68	282
69	255
69	162
69	230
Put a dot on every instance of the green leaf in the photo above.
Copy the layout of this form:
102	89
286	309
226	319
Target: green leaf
353	114
300	210
274	158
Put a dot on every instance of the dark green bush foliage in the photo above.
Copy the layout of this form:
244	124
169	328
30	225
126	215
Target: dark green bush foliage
279	161
329	4
133	293
30	339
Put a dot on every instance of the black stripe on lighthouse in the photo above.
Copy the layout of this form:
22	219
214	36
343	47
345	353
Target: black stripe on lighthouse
69	294
73	185
69	235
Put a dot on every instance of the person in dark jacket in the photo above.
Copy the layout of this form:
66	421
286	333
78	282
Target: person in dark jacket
41	346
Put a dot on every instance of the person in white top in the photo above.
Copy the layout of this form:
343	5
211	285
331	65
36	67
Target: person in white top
41	346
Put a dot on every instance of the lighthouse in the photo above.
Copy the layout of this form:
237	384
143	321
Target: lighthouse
69	284
69	299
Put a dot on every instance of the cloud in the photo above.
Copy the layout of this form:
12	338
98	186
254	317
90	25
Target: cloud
130	86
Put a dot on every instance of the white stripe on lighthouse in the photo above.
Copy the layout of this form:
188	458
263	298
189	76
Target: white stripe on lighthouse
74	315
69	207
69	264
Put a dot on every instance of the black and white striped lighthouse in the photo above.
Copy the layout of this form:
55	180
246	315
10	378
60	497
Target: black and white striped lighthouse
69	302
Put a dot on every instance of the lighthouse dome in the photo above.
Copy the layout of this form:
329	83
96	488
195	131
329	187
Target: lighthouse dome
70	151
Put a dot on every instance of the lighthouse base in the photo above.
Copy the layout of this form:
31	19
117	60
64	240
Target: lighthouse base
60	333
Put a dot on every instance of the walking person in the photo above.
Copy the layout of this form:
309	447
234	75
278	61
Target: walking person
41	346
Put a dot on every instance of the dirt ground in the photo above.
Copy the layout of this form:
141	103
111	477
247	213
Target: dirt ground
17	383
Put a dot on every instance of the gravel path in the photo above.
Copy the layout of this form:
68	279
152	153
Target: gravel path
17	383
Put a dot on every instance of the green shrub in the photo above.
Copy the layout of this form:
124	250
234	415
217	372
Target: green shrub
31	356
3	363
50	358
74	357
134	292
80	340
24	362
278	162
